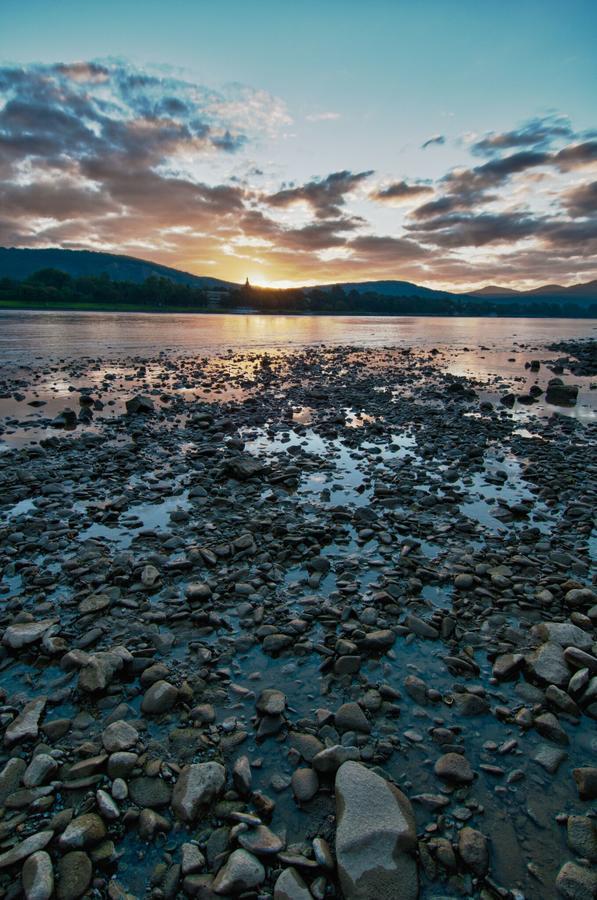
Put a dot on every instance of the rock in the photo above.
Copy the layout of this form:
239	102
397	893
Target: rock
378	641
563	633
241	872
26	725
26	848
290	886
150	577
421	628
22	634
550	758
244	467
271	702
197	786
139	405
347	665
350	717
151	792
375	837
10	777
119	736
575	882
38	876
100	668
193	859
547	665
330	759
560	394
84	831
197	591
472	846
586	782
74	875
40	770
159	698
464	581
582	837
548	726
507	665
261	841
454	768
242	776
305	784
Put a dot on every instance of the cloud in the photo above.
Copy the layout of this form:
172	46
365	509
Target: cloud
323	117
538	132
434	139
576	156
325	196
400	192
581	201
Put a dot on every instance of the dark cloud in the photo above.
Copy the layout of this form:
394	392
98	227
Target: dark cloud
400	192
581	201
325	196
537	133
436	139
459	230
576	156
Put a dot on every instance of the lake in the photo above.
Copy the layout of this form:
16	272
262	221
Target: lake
27	336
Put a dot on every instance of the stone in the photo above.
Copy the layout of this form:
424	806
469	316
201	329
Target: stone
261	841
375	837
193	859
575	882
38	876
26	725
378	641
550	758
586	782
563	633
10	777
242	776
26	848
119	736
472	846
290	886
271	702
330	759
152	792
547	665
305	784
40	770
197	786
350	717
139	405
548	726
241	872
159	698
22	634
74	875
83	831
454	768
582	837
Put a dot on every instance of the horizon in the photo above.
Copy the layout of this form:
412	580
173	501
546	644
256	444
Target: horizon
436	146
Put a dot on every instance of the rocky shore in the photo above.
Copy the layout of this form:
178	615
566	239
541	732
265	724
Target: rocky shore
307	625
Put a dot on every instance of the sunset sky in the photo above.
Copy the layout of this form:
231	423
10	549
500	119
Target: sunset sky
453	144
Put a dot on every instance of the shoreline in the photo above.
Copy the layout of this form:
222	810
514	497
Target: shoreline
6	306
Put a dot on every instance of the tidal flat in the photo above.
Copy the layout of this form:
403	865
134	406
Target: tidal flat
304	623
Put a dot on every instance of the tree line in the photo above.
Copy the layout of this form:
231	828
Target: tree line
54	287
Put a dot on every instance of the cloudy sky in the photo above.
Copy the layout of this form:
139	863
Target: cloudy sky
453	144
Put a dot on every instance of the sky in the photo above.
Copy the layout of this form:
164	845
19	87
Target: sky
453	144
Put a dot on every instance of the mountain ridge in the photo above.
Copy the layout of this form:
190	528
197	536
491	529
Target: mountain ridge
19	263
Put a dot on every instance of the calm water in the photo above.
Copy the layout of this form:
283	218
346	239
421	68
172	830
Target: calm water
33	336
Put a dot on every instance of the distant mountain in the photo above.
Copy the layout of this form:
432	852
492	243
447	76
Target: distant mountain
387	289
586	291
19	264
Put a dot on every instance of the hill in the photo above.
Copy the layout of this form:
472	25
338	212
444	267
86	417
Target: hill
19	264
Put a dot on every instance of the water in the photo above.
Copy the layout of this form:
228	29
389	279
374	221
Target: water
31	336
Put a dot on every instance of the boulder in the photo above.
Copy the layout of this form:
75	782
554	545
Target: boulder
375	837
